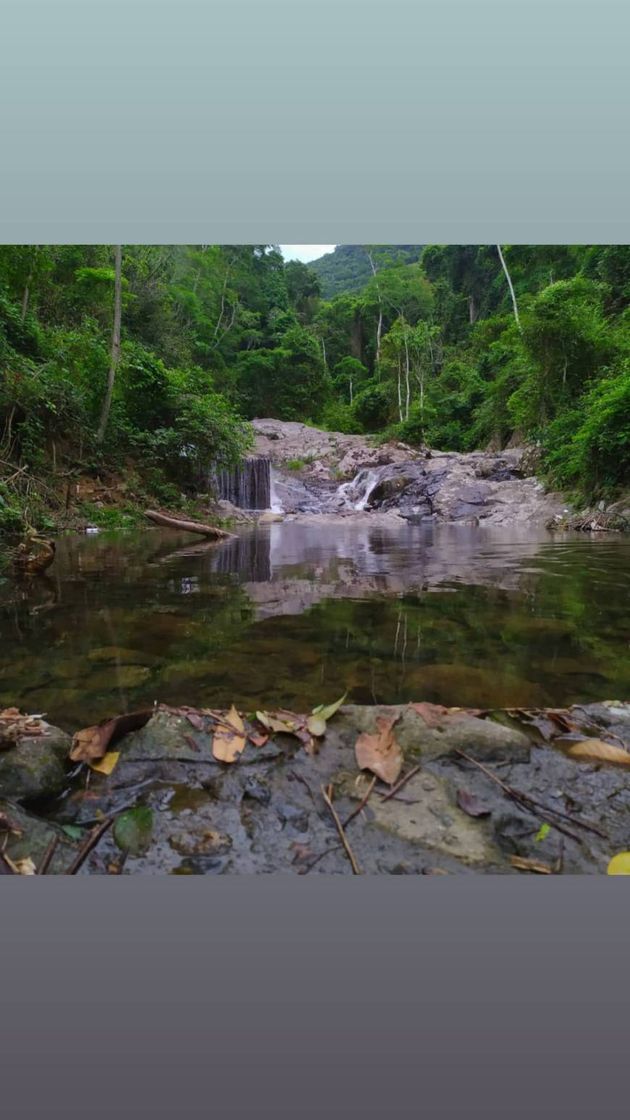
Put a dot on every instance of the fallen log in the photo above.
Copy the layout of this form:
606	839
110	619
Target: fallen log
188	526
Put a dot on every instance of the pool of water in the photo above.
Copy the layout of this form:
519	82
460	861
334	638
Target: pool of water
294	614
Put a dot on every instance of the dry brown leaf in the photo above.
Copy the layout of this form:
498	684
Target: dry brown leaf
227	743
432	714
196	721
379	751
595	750
10	713
92	742
522	864
258	740
471	804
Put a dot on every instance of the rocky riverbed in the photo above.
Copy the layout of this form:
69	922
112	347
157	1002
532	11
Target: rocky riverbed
345	475
507	792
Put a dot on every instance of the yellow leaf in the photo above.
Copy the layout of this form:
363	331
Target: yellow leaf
316	725
21	866
619	864
272	723
595	750
106	764
228	742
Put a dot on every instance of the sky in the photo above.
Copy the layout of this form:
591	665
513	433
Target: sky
305	253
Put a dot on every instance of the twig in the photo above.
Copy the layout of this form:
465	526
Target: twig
399	785
361	805
339	827
326	851
90	842
48	854
535	807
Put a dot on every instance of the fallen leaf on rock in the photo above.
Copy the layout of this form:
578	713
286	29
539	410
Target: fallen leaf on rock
619	864
327	711
21	866
522	864
471	804
106	764
272	723
196	721
258	740
595	750
92	742
379	751
229	742
543	832
316	725
133	830
432	714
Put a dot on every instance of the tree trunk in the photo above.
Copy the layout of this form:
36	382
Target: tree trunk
115	354
407	382
472	310
379	331
379	328
511	287
25	298
324	354
400	408
185	525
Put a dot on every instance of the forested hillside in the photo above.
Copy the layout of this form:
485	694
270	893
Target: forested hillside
155	357
349	267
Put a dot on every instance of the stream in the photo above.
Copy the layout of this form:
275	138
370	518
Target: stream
295	613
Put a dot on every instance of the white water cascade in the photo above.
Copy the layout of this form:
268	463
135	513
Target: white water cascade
357	493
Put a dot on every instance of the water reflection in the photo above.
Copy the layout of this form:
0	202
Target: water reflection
294	613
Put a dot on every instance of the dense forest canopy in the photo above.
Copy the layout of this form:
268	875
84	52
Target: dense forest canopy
349	267
162	353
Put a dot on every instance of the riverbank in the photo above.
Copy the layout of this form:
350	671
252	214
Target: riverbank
412	789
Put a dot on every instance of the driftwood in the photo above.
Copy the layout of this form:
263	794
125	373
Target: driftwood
188	526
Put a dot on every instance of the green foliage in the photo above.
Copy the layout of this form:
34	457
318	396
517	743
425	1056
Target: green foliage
589	446
418	343
348	268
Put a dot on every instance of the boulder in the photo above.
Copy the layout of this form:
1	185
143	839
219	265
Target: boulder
35	766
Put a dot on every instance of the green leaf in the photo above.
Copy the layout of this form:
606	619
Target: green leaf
543	832
133	830
327	711
73	831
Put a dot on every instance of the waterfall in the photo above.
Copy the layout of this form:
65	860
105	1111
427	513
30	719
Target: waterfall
247	486
357	493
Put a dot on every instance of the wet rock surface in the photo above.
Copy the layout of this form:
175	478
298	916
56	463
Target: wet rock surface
341	474
35	766
266	812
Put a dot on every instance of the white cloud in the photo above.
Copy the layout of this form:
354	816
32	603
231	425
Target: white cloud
304	253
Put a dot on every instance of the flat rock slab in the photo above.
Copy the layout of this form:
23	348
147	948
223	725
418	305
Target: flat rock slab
266	812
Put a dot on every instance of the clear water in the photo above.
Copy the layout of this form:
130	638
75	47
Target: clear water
295	614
